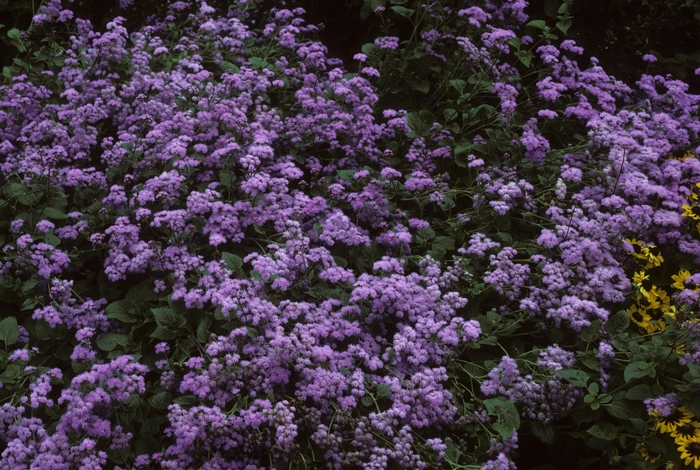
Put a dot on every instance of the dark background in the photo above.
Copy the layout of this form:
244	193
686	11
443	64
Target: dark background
617	32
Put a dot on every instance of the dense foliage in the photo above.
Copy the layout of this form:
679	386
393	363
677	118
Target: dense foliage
223	249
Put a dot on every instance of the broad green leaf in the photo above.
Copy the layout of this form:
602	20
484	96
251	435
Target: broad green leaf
110	340
252	332
168	319
53	213
119	310
624	409
226	65
9	331
403	11
14	33
574	376
163	333
545	433
383	390
233	262
539	24
160	401
618	322
639	392
639	369
604	430
203	330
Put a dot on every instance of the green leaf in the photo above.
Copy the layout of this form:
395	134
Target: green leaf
160	401
110	340
639	392
203	330
525	57
14	33
346	175
623	409
458	84
9	331
369	48
618	322
252	332
639	369
383	390
257	62
367	400
604	430
420	122
185	400
226	65
551	8
574	376
29	285
119	310
564	25
163	333
142	292
405	12
168	319
539	24
543	433
53	213
233	262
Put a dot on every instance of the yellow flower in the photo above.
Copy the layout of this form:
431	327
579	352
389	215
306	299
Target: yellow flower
652	255
691	211
648	454
636	246
690	451
686	431
668	424
639	316
649	302
641	279
680	279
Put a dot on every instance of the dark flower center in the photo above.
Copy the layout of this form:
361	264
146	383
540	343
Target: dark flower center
638	317
694	449
687	429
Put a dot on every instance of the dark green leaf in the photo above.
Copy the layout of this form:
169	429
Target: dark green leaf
574	376
119	310
618	322
545	433
639	392
233	262
160	401
252	332
163	333
539	24
604	430
203	330
383	390
9	331
185	400
53	213
405	12
639	369
168	319
226	65
623	409
110	340
551	8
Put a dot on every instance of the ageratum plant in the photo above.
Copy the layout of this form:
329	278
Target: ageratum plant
223	249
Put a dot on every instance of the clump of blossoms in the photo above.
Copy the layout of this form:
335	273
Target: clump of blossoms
224	249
